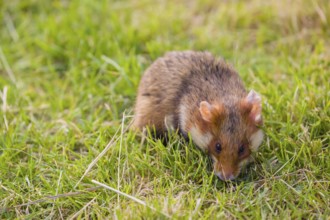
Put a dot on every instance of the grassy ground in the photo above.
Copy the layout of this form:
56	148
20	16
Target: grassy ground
69	71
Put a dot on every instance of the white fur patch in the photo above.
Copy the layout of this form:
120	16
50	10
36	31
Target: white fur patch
169	122
256	139
200	139
183	117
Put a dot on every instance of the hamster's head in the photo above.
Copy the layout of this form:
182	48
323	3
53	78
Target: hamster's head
233	133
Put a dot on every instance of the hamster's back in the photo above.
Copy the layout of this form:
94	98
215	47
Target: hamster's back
168	79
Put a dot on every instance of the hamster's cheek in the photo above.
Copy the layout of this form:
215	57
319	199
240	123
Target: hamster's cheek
216	165
244	162
214	159
217	171
219	175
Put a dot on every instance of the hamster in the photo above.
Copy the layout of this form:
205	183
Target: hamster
199	95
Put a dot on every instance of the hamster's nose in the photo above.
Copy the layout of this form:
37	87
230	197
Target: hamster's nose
229	177
226	176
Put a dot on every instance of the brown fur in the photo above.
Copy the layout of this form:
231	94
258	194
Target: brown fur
214	101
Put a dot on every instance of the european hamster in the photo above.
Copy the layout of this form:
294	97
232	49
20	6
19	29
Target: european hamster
198	94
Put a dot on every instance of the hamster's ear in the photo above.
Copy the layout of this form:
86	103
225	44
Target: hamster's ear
210	112
251	106
205	109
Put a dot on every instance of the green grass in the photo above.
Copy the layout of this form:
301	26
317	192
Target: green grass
69	71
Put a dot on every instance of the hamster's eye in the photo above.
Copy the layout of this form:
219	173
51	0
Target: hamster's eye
241	150
218	148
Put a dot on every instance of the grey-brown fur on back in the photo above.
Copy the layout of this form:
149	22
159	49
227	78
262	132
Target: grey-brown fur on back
184	78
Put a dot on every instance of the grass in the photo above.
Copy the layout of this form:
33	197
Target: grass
69	71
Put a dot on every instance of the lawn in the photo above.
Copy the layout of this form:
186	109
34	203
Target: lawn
69	72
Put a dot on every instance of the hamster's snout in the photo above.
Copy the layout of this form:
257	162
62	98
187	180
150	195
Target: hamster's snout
226	176
225	172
